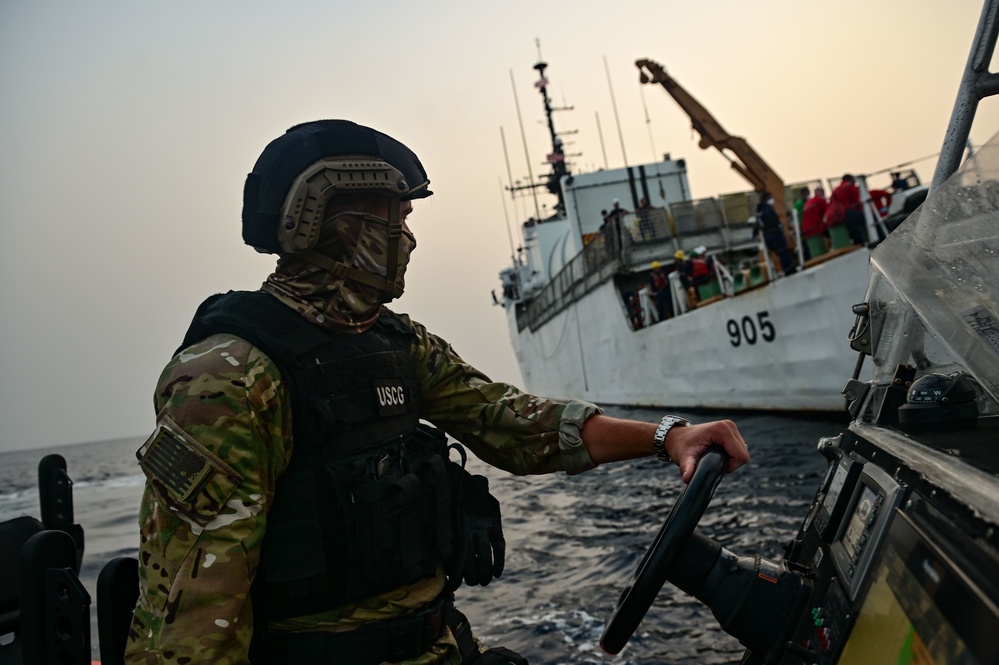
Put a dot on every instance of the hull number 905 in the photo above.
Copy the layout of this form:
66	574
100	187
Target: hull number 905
751	331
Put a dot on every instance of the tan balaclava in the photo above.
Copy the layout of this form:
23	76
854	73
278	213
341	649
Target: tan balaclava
354	234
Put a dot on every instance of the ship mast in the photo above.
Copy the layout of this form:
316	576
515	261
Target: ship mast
557	156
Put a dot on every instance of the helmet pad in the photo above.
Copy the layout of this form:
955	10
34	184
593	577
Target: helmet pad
302	213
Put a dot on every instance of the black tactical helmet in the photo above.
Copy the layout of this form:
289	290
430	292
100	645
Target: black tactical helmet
296	174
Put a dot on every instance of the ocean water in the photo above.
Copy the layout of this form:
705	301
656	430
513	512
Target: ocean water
572	542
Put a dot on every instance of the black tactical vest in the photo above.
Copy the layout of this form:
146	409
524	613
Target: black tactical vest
364	505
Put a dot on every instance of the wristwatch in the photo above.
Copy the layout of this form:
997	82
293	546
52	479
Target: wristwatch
659	440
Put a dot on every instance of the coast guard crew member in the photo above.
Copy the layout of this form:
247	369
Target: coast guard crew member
297	509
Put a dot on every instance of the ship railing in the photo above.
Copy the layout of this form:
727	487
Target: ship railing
718	224
798	242
590	268
648	226
725	278
678	293
699	223
740	214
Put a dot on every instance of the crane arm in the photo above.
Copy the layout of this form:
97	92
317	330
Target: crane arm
747	162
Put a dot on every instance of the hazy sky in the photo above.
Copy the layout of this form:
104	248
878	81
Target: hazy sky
127	129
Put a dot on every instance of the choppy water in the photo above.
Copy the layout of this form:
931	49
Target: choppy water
572	542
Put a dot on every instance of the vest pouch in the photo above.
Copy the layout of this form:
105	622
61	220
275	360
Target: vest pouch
390	528
427	449
389	516
437	504
294	570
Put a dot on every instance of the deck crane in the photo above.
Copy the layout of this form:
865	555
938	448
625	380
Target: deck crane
747	161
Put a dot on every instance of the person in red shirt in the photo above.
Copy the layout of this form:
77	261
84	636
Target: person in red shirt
812	223
700	270
813	217
847	197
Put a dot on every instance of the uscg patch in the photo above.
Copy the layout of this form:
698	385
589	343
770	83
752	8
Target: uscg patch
391	397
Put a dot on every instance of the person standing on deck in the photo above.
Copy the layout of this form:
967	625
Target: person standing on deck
659	288
773	233
846	196
813	218
616	213
799	202
298	508
646	231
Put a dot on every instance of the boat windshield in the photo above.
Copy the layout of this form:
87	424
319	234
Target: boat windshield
936	282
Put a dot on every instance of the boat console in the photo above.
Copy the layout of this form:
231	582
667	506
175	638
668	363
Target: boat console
905	565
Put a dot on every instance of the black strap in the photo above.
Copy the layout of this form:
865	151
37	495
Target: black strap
391	640
469	650
462	632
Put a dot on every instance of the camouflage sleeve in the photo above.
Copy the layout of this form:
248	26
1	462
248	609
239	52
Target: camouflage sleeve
503	426
223	437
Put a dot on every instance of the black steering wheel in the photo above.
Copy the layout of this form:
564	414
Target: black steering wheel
648	580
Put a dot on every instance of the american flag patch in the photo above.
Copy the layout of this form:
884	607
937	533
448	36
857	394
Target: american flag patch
168	459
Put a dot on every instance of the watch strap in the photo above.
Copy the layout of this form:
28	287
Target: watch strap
659	439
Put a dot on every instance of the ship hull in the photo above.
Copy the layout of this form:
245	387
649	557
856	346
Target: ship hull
780	347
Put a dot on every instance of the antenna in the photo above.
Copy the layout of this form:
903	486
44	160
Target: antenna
506	158
506	217
620	136
509	178
908	163
600	133
523	137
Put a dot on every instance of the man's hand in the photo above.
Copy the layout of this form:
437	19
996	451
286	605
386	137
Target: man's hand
610	439
686	445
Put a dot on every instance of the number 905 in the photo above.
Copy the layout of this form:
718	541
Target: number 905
751	331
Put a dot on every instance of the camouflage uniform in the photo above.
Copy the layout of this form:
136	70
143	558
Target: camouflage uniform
226	403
